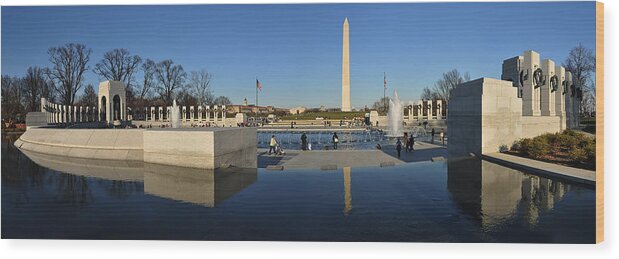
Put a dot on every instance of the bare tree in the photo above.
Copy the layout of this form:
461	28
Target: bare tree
34	85
450	80
382	105
118	65
170	77
429	94
148	82
89	97
12	101
69	63
200	84
222	100
581	62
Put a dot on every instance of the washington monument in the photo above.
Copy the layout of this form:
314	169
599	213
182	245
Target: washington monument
345	70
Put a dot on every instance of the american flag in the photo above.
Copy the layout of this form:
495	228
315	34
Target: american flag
258	85
385	80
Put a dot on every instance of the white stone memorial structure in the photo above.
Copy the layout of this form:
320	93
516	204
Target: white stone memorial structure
112	101
533	98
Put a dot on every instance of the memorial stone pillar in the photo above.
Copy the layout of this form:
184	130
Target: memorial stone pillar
548	89
439	109
199	113
160	113
208	114
568	100
531	84
191	113
184	110
223	113
558	95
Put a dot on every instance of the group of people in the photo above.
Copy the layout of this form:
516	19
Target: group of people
275	148
409	143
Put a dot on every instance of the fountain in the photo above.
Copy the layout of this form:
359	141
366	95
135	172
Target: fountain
394	117
175	115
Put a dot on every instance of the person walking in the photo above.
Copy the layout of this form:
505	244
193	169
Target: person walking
433	132
442	136
406	141
335	140
398	147
411	143
303	141
272	144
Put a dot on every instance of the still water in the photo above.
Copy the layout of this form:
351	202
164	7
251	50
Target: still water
467	201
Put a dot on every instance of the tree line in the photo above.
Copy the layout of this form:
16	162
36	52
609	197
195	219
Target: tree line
147	82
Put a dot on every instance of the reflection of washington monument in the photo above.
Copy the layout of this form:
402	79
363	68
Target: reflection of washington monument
347	193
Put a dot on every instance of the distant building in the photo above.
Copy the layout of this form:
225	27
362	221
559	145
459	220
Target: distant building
249	109
298	110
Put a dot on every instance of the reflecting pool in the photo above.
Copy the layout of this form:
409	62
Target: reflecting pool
465	201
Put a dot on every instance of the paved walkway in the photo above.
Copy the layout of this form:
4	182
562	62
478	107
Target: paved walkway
353	158
543	168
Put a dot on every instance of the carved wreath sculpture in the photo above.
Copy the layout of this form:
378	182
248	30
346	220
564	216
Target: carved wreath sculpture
554	83
538	78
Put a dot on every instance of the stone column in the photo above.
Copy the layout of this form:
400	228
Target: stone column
109	117
429	107
547	91
191	113
152	113
558	96
199	113
223	113
208	114
160	113
184	111
43	104
167	112
530	93
568	100
439	109
64	113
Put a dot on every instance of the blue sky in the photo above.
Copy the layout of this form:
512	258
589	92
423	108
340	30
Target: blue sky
295	50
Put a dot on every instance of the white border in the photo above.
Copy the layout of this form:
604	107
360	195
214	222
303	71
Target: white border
181	249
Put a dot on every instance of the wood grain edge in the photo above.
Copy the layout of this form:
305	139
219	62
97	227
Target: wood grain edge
599	122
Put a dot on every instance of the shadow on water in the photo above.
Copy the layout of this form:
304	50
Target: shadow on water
470	200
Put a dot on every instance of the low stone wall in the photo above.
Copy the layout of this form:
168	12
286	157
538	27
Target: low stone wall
205	148
114	144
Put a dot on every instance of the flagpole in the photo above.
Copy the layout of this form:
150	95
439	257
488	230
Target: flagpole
385	89
256	91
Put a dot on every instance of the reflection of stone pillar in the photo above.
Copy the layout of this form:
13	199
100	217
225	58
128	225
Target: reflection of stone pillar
530	94
558	95
199	113
546	90
347	192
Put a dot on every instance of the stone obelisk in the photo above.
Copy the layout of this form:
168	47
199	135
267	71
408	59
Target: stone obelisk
345	70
